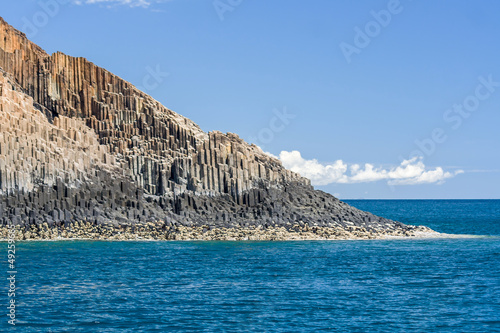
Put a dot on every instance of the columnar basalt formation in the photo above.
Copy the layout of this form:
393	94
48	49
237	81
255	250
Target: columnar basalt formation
79	143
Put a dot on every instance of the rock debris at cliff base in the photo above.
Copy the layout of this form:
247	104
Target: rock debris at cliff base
163	231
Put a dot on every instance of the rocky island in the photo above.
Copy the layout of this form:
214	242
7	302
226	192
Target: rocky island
86	155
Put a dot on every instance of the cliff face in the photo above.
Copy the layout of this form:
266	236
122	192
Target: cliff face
78	142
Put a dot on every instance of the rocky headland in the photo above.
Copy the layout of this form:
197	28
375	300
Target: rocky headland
85	154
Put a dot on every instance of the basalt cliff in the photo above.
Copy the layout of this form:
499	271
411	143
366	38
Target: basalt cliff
85	154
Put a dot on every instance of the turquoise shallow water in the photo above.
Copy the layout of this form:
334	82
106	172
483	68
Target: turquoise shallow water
438	285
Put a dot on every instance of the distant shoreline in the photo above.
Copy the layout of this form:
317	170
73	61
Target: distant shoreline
418	199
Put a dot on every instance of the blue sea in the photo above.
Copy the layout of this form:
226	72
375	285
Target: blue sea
431	285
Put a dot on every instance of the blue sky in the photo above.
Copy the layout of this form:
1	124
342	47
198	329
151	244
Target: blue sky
370	99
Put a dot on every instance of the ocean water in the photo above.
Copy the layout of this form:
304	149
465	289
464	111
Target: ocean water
434	285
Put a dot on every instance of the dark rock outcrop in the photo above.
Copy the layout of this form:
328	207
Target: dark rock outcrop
79	143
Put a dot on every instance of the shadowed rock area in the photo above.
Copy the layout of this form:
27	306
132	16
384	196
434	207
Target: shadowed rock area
78	143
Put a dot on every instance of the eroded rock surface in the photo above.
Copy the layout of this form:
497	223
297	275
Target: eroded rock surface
78	143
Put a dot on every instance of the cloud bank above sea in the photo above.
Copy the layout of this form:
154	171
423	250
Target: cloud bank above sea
409	172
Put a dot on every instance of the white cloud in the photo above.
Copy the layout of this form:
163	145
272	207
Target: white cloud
409	172
318	173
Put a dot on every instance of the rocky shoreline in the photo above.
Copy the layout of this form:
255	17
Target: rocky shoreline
161	231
